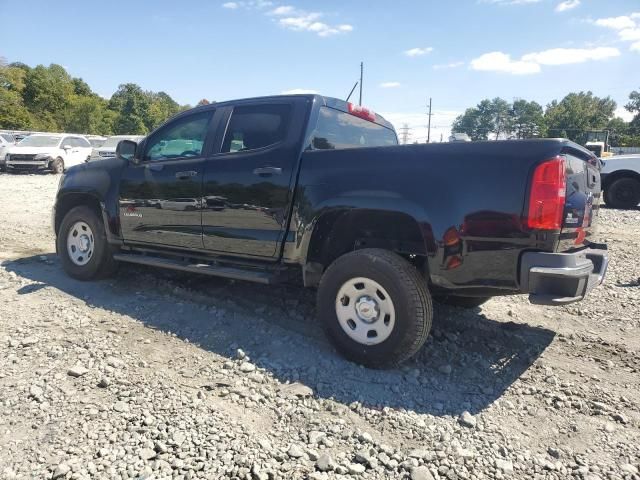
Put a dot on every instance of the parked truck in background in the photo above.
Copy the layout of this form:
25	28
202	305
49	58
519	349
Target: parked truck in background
621	181
315	190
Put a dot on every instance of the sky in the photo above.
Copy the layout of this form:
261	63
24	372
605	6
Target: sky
457	52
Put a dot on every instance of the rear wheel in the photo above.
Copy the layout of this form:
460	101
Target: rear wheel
623	193
462	302
375	307
57	166
82	245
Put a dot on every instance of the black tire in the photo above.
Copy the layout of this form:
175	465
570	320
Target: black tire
461	302
57	166
623	193
408	293
101	264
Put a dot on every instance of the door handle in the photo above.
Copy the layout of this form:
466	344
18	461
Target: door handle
186	175
156	167
267	171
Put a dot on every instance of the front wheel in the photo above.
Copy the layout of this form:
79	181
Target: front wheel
375	307
82	245
623	193
57	166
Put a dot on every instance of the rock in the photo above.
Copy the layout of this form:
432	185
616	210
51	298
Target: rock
295	451
36	392
618	417
178	438
28	341
121	407
554	452
146	454
104	382
160	447
467	420
240	355
628	468
356	468
325	463
295	390
115	362
505	466
247	367
421	473
77	371
61	471
315	436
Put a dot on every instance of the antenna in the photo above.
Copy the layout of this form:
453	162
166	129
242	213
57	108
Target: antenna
351	92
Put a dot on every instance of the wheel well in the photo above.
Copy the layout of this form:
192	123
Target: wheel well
342	231
612	177
71	200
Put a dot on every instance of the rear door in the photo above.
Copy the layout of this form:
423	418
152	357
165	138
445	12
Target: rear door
582	199
160	197
247	186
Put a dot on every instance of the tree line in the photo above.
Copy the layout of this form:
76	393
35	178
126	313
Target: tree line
49	99
572	117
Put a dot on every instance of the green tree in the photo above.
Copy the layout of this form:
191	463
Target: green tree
89	115
578	113
161	107
131	105
490	118
47	94
527	119
634	107
468	123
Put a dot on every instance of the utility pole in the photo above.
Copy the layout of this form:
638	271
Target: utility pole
404	132
361	77
429	127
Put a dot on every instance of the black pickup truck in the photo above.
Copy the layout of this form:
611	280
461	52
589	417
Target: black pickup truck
316	190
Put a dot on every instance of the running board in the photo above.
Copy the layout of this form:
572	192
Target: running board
202	268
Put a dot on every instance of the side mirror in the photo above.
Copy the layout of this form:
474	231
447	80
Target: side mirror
126	150
66	147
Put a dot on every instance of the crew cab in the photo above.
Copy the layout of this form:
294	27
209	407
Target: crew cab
315	190
621	181
48	151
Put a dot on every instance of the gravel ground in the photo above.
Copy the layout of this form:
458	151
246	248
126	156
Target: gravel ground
159	375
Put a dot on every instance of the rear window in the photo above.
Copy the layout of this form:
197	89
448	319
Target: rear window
336	130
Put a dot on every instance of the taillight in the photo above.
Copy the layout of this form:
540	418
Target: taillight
547	197
362	112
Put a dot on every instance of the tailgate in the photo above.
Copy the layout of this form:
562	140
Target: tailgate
582	200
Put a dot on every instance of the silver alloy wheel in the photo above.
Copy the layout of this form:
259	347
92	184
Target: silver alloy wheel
365	311
80	243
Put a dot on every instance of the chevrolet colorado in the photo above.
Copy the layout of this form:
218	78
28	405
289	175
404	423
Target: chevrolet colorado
313	189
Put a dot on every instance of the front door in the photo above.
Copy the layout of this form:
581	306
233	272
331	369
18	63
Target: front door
160	195
246	190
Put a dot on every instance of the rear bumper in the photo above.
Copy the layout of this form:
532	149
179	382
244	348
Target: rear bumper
562	278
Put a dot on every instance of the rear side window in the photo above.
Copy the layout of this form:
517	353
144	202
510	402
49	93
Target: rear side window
336	130
83	142
256	126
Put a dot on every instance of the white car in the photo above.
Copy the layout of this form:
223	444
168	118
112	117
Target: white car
7	140
108	148
44	151
620	178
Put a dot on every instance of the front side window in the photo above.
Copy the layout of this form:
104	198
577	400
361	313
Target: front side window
183	138
256	126
337	129
83	142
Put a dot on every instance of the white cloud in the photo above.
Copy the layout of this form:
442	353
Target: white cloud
567	56
624	114
635	47
501	62
390	84
629	34
417	122
616	23
298	91
446	66
567	5
418	52
291	18
532	62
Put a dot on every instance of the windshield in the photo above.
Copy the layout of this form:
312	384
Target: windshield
39	141
112	142
7	137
